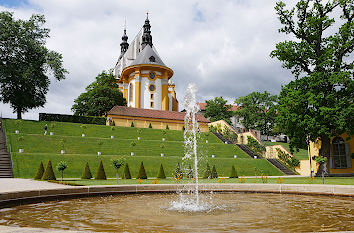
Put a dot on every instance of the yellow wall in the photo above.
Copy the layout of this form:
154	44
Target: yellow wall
316	146
142	122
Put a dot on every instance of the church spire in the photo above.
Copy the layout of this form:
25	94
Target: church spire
147	38
124	45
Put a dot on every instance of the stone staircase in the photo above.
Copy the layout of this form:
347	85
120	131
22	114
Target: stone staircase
222	138
281	167
247	150
5	159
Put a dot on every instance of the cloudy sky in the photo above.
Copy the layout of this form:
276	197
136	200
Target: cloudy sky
223	46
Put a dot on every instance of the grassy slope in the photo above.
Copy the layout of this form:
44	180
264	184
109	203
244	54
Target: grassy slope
301	154
39	147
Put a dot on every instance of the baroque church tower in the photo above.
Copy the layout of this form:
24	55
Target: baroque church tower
143	77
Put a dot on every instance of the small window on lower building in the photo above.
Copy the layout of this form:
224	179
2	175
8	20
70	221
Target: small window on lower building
151	104
152	96
339	155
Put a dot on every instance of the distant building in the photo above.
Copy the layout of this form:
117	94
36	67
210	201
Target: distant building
146	84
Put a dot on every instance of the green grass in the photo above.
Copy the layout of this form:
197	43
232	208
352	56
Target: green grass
25	165
79	150
300	180
301	154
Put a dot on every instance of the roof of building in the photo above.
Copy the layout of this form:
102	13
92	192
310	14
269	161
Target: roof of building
203	105
148	56
150	113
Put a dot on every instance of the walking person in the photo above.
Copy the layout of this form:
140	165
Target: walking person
45	129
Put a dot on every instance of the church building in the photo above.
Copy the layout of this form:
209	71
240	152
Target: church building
146	84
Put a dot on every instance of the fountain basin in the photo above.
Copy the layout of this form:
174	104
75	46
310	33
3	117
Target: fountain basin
148	211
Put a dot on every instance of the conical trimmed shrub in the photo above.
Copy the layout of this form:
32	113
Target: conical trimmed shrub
167	127
207	173
132	124
214	173
49	173
40	171
150	126
233	173
87	172
126	172
142	172
190	172
161	174
101	174
178	172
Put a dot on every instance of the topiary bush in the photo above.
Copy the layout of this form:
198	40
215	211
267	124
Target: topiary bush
49	173
126	173
178	172
207	173
167	127
101	174
150	126
233	173
161	173
214	173
190	172
40	171
142	172
132	124
87	172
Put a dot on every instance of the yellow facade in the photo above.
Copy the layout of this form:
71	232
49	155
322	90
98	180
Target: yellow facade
314	151
143	122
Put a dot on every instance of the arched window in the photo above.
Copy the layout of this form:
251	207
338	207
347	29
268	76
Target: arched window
131	92
339	155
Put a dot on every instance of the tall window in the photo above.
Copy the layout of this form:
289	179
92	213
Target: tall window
130	92
339	155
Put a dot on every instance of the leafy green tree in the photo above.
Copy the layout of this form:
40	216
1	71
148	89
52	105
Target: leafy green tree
257	111
117	163
25	62
318	104
100	96
217	109
62	165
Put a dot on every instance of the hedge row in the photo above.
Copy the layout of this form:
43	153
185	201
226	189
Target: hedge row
72	118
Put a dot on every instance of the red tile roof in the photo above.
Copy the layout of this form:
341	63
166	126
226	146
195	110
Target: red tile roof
149	113
203	105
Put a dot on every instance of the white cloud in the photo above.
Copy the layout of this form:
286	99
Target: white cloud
223	46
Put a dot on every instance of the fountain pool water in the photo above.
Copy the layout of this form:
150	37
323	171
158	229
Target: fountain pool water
241	212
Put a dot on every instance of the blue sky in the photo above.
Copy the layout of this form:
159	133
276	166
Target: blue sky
223	46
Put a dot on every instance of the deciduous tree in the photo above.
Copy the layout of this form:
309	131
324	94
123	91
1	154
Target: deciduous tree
100	96
25	62
318	104
217	109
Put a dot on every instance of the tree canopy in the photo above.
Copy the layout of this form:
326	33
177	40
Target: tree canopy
218	109
100	96
25	62
257	111
318	104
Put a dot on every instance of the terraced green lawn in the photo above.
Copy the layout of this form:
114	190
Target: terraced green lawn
79	150
301	154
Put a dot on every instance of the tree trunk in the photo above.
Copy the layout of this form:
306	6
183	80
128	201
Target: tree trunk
324	152
62	175
117	177
19	113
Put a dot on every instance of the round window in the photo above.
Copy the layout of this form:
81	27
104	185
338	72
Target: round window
152	87
152	75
